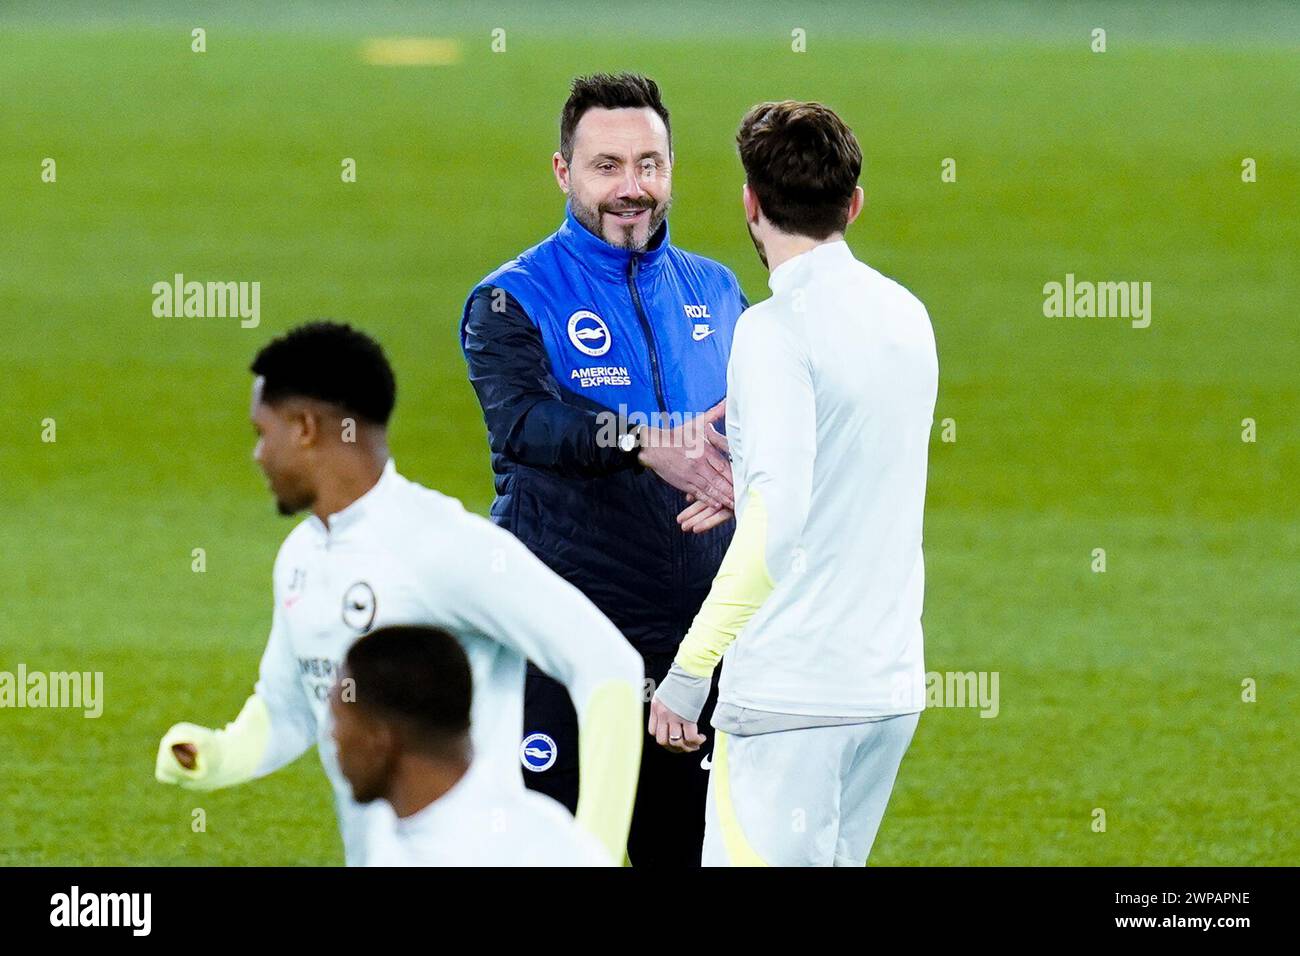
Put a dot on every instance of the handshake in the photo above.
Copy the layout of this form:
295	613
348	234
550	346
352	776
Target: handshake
693	458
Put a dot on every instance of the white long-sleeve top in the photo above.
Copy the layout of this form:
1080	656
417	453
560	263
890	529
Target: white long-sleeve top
405	554
831	389
478	822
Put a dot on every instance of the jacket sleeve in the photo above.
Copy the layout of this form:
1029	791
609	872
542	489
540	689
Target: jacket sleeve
528	420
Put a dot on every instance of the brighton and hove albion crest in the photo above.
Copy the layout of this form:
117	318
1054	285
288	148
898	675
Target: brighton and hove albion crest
359	606
589	333
538	752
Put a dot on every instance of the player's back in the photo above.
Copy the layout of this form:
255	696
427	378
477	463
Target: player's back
875	376
842	632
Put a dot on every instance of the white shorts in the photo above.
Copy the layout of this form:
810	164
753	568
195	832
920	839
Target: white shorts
811	797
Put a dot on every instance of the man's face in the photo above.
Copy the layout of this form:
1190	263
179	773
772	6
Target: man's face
619	180
280	452
366	745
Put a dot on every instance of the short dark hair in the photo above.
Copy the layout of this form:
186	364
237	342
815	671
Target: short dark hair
333	363
415	675
611	92
802	163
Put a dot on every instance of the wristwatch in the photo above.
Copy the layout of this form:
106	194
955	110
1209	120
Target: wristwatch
630	440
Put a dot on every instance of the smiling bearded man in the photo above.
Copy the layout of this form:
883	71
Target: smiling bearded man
603	324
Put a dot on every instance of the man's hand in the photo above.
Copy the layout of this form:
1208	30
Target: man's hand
180	752
200	758
692	458
700	516
673	732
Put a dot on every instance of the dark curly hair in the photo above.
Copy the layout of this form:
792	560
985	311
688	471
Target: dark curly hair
331	362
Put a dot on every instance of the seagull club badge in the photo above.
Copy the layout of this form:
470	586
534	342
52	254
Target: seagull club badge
359	606
588	333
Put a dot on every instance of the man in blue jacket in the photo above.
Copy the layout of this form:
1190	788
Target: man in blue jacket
599	357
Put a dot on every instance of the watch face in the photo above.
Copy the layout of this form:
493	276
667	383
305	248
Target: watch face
627	442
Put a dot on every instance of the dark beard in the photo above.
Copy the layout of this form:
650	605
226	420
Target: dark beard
289	508
593	217
368	792
758	246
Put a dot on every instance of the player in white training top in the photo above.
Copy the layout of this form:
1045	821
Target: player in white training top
378	549
830	398
401	718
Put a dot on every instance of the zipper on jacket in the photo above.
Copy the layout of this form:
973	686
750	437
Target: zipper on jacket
675	546
647	331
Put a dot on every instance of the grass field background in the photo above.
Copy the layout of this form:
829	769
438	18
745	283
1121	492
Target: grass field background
1119	691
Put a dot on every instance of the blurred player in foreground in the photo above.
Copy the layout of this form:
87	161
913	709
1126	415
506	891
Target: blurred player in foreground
378	549
401	716
830	399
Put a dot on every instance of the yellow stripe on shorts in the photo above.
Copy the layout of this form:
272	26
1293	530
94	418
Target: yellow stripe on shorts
739	852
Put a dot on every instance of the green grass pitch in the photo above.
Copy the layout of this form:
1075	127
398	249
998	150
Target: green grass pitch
1119	690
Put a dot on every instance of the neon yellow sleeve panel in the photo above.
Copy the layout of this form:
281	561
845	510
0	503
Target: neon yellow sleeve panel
609	762
225	757
742	585
739	850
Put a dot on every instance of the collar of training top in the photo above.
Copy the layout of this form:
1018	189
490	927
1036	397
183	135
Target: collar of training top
788	273
342	520
611	261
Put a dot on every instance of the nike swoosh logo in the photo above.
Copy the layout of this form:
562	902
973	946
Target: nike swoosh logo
707	762
700	334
